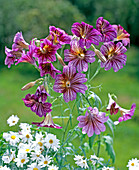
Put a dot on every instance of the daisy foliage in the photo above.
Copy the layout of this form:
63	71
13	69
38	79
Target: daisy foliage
63	93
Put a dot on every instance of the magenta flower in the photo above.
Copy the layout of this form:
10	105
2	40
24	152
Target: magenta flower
46	51
19	42
105	28
78	57
69	83
114	54
92	122
58	36
48	68
112	106
122	34
87	34
41	93
12	56
47	122
27	58
127	114
37	106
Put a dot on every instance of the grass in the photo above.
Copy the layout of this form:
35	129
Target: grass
124	84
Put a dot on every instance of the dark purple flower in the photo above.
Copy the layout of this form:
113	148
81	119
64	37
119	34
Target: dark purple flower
12	56
105	28
112	106
114	54
42	93
27	58
127	114
46	51
47	122
122	34
87	34
79	57
58	36
48	68
92	122
19	42
37	106
69	83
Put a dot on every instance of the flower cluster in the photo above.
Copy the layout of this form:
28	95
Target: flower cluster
30	149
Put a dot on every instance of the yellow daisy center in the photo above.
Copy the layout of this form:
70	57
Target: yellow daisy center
132	164
27	150
13	137
35	168
40	143
13	121
45	162
50	141
22	160
27	136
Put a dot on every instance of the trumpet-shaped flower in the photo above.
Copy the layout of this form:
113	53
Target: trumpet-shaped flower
105	28
87	34
47	122
92	122
37	106
69	83
114	54
127	114
48	68
112	106
19	42
46	51
122	35
78	57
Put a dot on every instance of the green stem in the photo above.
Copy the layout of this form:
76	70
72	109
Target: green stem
98	149
87	99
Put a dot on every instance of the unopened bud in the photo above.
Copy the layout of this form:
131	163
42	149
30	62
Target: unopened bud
28	86
60	60
100	55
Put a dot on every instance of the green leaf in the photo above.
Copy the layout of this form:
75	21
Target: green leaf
91	140
95	98
109	147
111	125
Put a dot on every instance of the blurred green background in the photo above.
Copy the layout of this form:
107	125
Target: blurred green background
33	18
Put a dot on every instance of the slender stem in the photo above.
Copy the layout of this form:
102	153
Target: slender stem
97	71
87	100
98	149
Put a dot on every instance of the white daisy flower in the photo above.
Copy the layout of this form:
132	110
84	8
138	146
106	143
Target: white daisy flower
8	157
26	136
11	137
35	156
52	167
94	159
133	164
21	159
33	166
37	145
4	168
44	161
25	126
52	142
12	120
78	158
80	161
108	168
25	148
39	136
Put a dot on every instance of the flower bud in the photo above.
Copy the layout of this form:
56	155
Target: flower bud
60	60
28	86
100	55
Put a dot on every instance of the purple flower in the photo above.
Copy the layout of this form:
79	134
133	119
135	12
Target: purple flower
46	51
78	57
42	93
69	83
87	34
12	56
114	54
37	106
58	36
27	58
92	122
127	114
48	68
47	122
122	34
19	42
112	106
105	28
